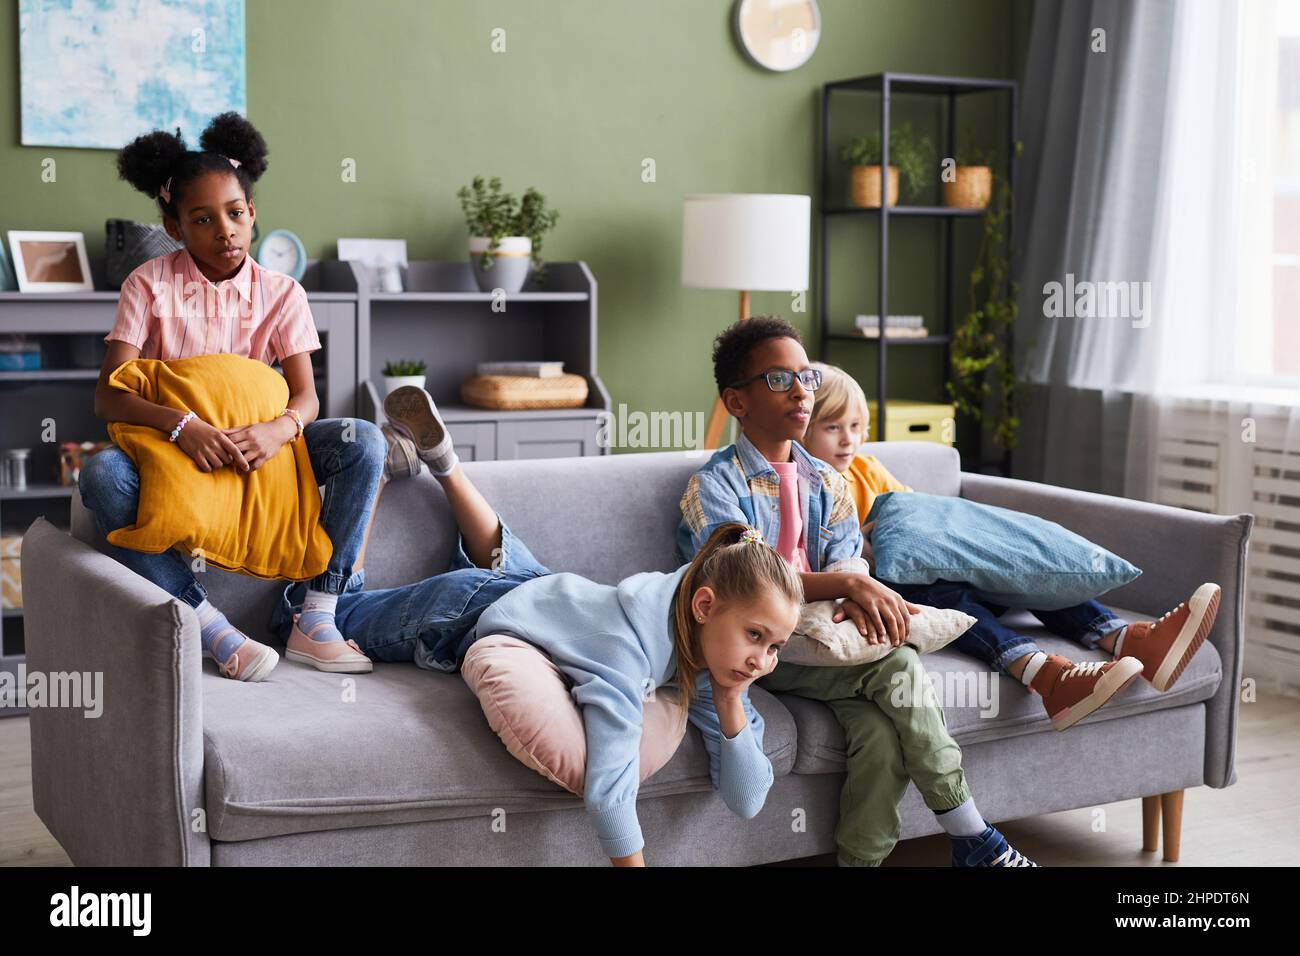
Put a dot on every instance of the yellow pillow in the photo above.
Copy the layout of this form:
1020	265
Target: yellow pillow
265	523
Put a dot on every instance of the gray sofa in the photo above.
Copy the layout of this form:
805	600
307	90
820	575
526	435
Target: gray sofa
399	766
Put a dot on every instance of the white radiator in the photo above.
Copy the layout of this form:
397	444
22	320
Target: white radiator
1205	465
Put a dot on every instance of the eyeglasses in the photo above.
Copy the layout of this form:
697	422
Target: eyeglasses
782	379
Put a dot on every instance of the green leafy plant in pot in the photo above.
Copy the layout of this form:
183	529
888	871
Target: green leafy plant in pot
911	157
397	374
983	384
505	234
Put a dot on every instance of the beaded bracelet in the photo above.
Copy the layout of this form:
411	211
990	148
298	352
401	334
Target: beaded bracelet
293	413
179	425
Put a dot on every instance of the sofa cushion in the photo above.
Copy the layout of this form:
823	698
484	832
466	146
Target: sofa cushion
821	739
306	750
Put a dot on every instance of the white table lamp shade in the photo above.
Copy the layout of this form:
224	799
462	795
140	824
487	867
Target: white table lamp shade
746	241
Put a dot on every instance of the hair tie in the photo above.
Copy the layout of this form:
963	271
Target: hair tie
752	536
165	190
233	162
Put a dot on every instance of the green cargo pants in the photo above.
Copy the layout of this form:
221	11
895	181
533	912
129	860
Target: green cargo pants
888	739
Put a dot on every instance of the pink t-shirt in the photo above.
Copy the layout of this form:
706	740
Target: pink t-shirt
169	310
791	543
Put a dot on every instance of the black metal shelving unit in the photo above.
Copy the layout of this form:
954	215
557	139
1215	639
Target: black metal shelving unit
886	85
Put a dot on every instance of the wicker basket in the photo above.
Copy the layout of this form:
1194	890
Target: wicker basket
971	189
866	186
507	392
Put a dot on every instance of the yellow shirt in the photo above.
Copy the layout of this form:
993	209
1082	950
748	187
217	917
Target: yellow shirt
867	477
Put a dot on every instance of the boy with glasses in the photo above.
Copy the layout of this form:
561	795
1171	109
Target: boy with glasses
803	507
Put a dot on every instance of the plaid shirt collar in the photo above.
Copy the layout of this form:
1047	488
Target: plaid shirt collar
755	465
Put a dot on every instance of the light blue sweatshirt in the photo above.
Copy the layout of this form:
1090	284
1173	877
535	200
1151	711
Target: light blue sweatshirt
616	644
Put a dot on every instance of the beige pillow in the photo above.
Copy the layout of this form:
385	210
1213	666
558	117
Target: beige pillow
817	641
528	704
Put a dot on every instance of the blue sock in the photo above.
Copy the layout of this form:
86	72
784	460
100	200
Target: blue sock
318	608
219	637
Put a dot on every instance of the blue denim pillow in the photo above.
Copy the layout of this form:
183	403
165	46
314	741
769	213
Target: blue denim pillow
1011	558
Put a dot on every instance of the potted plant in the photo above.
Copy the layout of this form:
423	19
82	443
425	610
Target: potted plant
983	383
397	374
505	234
910	158
972	186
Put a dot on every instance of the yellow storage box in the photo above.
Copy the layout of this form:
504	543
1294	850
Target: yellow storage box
915	421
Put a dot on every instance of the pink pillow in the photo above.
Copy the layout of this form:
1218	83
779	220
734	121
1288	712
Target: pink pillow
527	702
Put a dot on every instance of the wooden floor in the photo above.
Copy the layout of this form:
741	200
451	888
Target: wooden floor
1255	822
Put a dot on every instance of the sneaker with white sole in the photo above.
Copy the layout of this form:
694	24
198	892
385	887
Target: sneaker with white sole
339	657
250	661
990	848
412	413
1165	647
401	460
1072	691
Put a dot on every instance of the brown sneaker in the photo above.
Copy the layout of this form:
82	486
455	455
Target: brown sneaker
1072	691
1165	646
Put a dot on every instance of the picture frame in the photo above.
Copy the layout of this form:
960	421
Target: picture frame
46	261
385	258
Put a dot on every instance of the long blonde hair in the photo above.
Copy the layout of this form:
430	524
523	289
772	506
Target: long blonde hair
734	569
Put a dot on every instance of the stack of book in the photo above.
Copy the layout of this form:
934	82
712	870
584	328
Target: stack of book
896	326
524	369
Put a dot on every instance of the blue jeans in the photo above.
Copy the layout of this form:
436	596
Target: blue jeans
351	471
430	622
992	641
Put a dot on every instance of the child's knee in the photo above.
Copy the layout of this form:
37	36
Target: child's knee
905	657
370	441
107	476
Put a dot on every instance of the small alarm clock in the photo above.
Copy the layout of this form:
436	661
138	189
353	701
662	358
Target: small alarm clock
282	251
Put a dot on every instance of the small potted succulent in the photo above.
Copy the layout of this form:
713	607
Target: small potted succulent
910	158
973	185
505	234
397	374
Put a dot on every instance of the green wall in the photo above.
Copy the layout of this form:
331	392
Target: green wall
586	90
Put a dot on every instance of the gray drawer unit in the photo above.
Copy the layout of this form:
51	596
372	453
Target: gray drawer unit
443	319
543	438
475	441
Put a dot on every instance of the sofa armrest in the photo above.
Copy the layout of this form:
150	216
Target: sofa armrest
117	787
1177	550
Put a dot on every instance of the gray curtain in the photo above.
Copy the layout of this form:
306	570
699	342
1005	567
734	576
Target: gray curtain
1092	129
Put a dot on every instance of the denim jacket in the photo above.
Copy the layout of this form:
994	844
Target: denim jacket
739	484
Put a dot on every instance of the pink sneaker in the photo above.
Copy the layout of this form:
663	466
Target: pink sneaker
250	661
341	657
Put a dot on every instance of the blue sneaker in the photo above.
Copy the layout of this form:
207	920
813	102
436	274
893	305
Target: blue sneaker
990	848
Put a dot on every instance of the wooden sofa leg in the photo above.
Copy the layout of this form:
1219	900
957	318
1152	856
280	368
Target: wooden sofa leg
1151	823
1171	806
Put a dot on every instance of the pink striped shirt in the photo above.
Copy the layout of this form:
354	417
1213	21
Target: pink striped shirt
169	310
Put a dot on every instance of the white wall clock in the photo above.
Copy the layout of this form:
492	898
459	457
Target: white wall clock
777	35
282	251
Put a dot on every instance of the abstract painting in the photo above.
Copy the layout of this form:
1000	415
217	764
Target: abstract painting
98	73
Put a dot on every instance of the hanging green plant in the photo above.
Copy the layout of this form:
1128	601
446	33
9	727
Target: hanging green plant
982	361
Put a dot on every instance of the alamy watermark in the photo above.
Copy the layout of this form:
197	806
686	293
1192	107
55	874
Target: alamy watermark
1098	300
661	429
71	689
